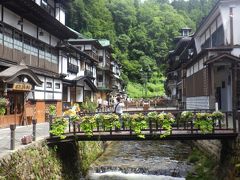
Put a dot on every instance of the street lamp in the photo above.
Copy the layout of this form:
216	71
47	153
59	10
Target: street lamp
145	75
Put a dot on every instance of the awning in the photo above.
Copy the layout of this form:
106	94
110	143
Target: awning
88	81
10	74
223	57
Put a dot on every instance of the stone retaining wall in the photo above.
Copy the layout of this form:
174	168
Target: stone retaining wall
227	154
39	161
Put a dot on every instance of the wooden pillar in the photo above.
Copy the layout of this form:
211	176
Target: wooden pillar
234	95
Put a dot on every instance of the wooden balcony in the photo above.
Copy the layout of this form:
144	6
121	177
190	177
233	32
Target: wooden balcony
72	68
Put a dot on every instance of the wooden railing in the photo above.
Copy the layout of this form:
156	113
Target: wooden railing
180	130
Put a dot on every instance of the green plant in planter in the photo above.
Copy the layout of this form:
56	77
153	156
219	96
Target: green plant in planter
58	127
152	116
88	123
99	118
217	116
204	122
110	121
166	120
126	119
186	116
138	123
3	104
52	110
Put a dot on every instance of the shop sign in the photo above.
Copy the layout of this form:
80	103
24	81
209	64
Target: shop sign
22	86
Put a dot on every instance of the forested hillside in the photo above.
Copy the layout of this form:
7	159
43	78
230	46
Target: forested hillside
141	33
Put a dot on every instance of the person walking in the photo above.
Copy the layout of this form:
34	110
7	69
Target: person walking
118	109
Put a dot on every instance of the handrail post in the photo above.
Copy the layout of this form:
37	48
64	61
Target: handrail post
150	126
227	120
12	128
191	126
213	124
34	122
74	128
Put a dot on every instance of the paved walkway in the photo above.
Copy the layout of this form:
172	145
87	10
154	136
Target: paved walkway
42	131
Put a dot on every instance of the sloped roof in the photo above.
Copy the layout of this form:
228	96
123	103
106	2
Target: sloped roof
9	74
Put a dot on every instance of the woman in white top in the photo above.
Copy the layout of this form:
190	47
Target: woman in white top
118	109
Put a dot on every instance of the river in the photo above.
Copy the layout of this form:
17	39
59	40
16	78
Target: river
136	160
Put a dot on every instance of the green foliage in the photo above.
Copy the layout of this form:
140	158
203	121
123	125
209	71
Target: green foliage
152	116
204	122
137	123
204	167
52	110
166	120
217	116
141	33
110	121
186	116
87	124
58	127
3	104
88	106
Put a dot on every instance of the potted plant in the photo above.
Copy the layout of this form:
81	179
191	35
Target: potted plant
204	122
58	127
217	117
138	123
111	121
88	123
166	120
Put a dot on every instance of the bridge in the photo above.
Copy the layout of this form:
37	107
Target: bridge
225	129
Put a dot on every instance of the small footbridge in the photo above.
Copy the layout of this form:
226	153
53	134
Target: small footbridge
187	130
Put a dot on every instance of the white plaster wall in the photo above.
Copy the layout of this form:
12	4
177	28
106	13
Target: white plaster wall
88	47
38	2
11	18
46	36
39	95
62	16
64	65
199	102
79	94
48	95
29	28
224	8
57	96
43	84
54	40
226	92
68	99
236	52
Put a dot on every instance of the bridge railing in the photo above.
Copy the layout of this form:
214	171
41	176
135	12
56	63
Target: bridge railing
153	127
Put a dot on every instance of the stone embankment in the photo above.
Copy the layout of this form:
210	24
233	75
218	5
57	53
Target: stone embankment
39	161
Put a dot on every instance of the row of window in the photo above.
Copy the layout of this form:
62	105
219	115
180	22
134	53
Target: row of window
196	67
50	85
16	40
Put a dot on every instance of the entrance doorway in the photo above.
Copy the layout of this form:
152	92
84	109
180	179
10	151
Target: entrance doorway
16	105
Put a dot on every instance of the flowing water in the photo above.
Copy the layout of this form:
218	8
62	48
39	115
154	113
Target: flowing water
136	160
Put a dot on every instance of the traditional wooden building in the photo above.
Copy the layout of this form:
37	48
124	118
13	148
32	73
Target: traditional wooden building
29	58
210	72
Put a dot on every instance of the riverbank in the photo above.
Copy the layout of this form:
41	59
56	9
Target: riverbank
39	161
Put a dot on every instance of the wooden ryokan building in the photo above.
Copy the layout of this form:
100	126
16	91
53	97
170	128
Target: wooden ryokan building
204	67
